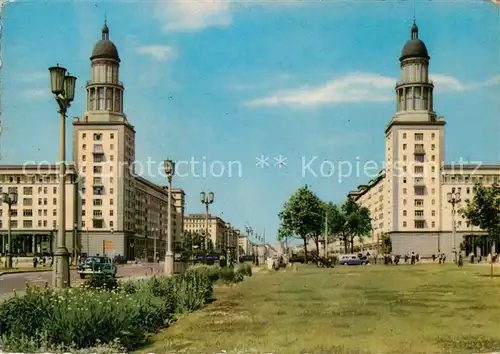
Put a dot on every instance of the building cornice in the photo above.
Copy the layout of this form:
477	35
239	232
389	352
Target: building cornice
400	123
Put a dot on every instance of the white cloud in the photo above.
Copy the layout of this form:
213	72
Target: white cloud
159	52
356	88
189	15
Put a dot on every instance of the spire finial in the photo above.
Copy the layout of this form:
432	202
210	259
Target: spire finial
105	29
414	14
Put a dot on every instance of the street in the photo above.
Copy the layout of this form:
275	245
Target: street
11	282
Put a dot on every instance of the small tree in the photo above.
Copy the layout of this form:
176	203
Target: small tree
385	244
301	216
192	240
484	211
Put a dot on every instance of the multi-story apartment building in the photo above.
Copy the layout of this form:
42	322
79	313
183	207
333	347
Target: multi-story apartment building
244	245
34	216
408	200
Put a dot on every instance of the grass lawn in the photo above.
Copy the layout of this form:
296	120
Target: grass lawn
427	308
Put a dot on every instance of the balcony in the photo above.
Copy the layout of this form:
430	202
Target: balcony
419	151
419	182
419	217
99	83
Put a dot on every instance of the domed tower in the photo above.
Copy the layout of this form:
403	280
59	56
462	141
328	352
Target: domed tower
415	91
414	155
104	90
104	151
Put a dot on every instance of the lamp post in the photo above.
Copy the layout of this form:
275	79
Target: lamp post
155	231
207	200
169	254
453	199
62	85
75	230
9	199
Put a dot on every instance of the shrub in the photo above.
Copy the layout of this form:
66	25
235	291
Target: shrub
103	314
101	281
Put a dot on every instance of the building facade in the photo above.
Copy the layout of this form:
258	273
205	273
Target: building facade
408	199
34	216
125	212
222	234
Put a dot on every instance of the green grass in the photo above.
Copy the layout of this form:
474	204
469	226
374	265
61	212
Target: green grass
376	309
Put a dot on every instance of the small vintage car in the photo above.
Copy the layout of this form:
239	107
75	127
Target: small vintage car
96	265
352	259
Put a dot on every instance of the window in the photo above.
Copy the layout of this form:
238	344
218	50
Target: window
404	223
83	212
97	169
404	201
97	137
54	201
28	190
97	202
404	212
84	158
433	202
13	224
404	157
44	190
109	99
111	135
433	158
404	135
28	201
54	190
419	136
98	190
111	224
433	169
97	224
419	158
419	169
100	93
97	213
39	223
433	135
419	224
98	158
117	101
433	147
404	190
54	212
433	224
27	224
419	213
84	135
28	212
111	202
419	202
468	190
404	146
98	148
111	212
111	157
433	213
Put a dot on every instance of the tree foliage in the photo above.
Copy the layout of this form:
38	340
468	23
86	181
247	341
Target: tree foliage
484	209
302	217
193	240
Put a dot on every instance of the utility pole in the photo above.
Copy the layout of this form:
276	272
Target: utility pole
326	235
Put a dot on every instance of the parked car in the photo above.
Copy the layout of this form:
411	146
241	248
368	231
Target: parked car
352	259
96	265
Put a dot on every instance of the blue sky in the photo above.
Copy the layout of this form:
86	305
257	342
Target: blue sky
231	81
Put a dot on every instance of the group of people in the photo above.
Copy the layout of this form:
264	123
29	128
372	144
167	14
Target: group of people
441	257
43	261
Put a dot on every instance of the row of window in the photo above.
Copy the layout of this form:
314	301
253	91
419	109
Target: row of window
98	158
98	136
28	224
419	136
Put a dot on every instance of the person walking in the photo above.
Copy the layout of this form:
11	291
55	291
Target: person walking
413	258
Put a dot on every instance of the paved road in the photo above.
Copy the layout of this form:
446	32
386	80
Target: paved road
11	282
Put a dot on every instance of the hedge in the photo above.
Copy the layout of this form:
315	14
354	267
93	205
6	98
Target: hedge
118	316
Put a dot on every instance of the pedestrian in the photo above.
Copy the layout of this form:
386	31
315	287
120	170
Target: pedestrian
406	258
413	258
444	258
460	261
433	258
471	255
35	261
396	259
418	257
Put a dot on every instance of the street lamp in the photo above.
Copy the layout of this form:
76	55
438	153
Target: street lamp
207	200
75	231
62	85
169	255
453	199
9	199
155	231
